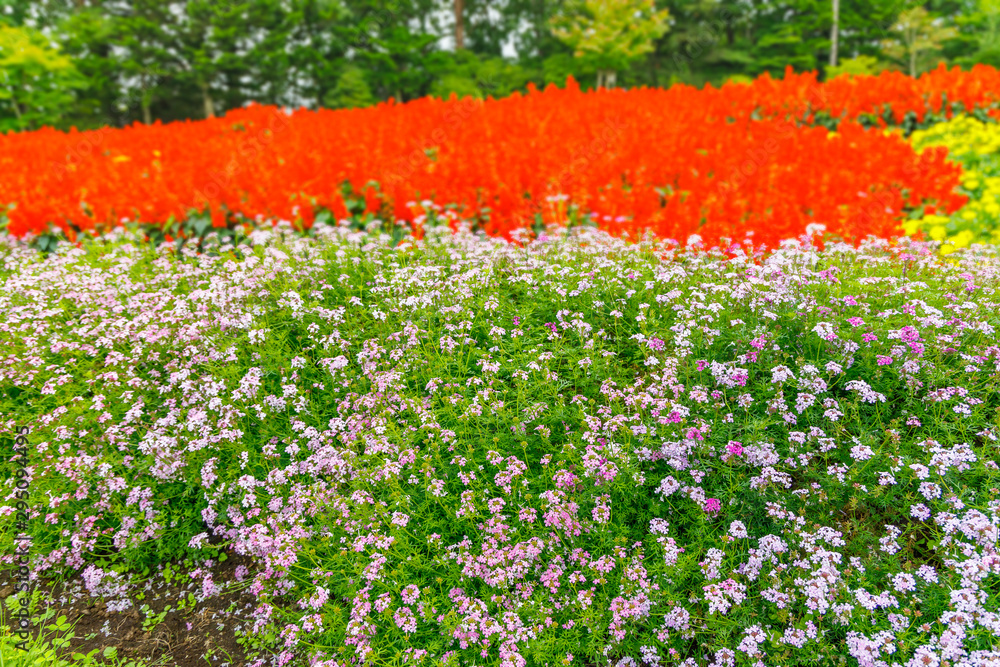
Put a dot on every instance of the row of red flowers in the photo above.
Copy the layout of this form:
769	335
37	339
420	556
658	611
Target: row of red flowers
713	162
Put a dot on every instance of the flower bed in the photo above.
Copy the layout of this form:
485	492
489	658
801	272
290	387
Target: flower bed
975	145
717	162
572	451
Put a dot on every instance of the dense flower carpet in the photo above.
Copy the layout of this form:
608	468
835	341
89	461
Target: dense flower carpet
570	385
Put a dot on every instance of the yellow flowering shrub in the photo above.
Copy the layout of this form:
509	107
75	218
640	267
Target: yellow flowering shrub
976	146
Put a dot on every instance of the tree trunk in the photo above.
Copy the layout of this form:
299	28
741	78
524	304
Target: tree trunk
144	100
17	107
459	27
834	33
540	27
610	76
910	35
209	106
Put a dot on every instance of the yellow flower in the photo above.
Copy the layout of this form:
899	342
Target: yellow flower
970	143
964	238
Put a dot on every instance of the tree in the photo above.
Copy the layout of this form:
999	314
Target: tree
835	33
396	43
36	81
793	32
705	42
320	34
528	24
608	35
351	91
983	34
917	33
470	76
143	49
483	26
86	36
989	10
459	26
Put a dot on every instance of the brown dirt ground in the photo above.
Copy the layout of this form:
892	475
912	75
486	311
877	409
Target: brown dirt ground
211	640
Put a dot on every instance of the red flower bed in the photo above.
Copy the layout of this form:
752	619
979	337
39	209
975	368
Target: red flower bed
713	162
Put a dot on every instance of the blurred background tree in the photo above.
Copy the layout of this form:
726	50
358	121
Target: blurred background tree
916	36
982	23
609	35
36	80
115	62
860	65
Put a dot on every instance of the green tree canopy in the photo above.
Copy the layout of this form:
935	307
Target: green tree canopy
608	35
36	81
916	35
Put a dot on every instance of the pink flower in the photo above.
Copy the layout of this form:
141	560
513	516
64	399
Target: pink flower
410	594
734	448
405	620
713	506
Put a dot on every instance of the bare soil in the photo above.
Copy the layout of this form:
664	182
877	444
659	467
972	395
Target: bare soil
203	634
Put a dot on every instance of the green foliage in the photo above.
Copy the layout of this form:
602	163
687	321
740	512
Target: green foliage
916	36
36	80
558	67
854	67
140	61
989	57
351	91
608	35
558	371
474	77
984	26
